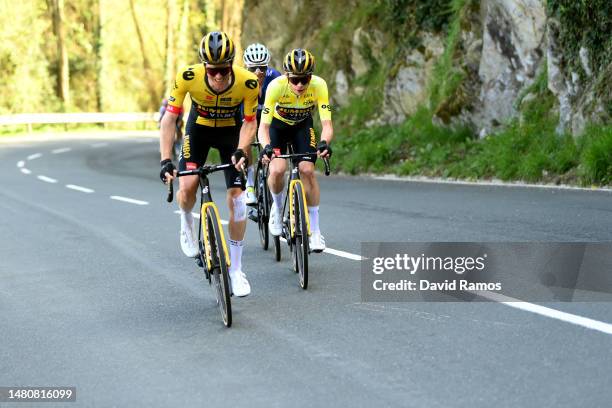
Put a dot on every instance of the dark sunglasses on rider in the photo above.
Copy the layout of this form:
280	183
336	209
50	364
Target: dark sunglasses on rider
262	68
213	71
304	80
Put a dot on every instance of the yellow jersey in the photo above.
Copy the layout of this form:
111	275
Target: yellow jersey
284	105
212	108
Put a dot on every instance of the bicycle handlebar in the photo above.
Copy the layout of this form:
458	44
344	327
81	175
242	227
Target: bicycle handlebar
299	155
203	171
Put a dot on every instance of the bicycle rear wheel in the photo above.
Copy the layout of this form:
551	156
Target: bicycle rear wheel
263	205
219	271
300	244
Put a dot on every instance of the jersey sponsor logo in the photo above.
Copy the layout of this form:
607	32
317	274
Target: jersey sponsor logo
326	107
175	85
211	112
266	111
186	148
188	75
191	166
171	98
313	139
295	114
251	83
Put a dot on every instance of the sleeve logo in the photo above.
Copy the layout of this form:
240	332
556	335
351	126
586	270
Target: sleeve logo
251	83
188	75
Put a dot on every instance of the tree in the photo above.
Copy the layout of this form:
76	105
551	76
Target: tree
63	70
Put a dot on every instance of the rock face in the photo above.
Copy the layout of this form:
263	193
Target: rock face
407	90
512	49
500	49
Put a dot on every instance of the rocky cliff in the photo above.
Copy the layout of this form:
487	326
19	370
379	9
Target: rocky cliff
473	63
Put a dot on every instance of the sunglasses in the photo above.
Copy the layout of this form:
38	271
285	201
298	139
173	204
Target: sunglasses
213	71
296	80
262	68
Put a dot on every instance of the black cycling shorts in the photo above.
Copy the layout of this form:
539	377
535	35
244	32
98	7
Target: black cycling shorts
301	136
199	139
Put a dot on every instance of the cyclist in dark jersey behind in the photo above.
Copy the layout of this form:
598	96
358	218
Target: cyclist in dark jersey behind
256	59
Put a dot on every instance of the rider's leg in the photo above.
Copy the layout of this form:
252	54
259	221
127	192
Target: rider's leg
276	181
311	185
193	155
236	203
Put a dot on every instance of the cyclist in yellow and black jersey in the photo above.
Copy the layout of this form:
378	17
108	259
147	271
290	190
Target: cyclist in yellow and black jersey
217	89
287	118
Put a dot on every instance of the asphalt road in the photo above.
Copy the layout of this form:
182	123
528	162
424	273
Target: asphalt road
95	293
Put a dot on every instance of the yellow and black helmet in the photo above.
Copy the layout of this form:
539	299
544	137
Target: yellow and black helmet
299	62
216	48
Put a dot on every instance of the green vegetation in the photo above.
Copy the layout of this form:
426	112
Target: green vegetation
527	149
584	24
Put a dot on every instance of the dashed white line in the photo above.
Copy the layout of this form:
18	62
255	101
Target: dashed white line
61	150
97	145
129	200
20	163
34	156
26	171
548	312
343	254
47	179
79	188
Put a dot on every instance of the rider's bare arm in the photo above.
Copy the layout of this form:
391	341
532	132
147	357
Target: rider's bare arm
167	129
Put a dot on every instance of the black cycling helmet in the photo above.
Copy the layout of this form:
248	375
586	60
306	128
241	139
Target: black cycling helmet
216	48
299	62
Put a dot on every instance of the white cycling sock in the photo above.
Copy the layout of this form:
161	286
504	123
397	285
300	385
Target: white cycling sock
186	218
313	214
250	176
279	199
235	255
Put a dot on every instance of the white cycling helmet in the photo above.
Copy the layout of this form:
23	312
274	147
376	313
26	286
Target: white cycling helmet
256	54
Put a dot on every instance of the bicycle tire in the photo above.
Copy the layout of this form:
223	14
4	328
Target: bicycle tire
277	249
300	245
219	273
263	206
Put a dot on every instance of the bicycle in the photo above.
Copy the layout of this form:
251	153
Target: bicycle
296	224
264	201
214	256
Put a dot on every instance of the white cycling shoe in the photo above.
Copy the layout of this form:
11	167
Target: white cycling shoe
317	242
251	199
240	284
188	241
275	224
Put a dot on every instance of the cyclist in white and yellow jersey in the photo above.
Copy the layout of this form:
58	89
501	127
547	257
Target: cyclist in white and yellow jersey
287	118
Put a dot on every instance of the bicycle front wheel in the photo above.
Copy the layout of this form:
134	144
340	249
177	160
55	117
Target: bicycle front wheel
263	205
300	239
219	270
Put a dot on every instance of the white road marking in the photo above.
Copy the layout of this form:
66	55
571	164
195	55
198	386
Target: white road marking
20	163
34	156
547	311
47	179
97	145
129	200
343	254
79	188
61	150
26	171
